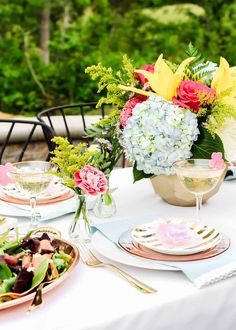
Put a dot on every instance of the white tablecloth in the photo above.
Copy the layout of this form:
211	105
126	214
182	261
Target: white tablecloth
96	299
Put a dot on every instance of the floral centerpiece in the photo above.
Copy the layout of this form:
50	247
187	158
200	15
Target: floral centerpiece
170	111
78	170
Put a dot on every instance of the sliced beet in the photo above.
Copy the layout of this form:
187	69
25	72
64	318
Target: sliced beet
32	244
16	269
55	244
23	281
44	236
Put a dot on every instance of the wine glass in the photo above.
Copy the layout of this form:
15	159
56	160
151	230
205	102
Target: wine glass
198	177
32	178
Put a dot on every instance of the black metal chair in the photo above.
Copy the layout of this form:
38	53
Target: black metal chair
71	120
22	139
73	127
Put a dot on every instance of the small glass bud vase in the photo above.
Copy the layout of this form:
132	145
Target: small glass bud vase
105	206
79	230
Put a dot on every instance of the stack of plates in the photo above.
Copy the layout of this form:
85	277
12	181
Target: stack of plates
55	193
142	242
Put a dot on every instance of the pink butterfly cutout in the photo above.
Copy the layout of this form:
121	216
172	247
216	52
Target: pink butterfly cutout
216	161
5	179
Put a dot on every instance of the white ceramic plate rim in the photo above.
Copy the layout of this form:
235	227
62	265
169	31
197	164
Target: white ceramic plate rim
109	250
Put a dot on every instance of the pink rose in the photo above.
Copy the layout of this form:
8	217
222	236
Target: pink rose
140	77
216	161
4	177
128	109
90	180
194	95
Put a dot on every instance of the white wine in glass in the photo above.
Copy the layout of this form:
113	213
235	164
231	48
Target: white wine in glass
32	178
198	177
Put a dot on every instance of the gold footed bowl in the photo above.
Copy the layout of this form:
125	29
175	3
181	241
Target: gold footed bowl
169	188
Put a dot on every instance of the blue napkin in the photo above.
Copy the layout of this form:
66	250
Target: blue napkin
200	272
231	173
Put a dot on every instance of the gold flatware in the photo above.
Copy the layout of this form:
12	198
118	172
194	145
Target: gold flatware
91	260
38	299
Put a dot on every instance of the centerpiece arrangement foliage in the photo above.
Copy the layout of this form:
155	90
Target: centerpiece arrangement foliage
79	167
169	111
79	170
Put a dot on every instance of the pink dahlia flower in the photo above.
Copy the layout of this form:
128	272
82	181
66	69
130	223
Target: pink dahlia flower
194	95
90	180
128	109
140	76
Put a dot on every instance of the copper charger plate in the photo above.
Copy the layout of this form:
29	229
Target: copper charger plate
130	246
67	247
13	200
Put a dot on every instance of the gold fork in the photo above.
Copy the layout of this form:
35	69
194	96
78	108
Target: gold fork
90	260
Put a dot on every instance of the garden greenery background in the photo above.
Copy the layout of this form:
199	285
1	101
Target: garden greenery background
45	45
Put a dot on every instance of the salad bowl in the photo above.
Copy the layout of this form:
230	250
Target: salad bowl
44	277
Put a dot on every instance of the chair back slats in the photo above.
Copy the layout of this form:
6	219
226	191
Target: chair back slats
65	123
50	121
63	112
82	115
19	134
81	110
27	141
5	143
103	110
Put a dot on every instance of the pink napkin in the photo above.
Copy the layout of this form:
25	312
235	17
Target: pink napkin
177	235
5	179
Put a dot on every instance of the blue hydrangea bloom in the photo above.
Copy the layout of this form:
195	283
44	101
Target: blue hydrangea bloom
159	133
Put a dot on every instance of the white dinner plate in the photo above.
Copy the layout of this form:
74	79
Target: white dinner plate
12	191
109	250
207	237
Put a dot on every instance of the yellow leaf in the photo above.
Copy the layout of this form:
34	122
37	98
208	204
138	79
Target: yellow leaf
224	80
183	64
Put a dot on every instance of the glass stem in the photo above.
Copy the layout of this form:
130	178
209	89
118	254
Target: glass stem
33	220
198	206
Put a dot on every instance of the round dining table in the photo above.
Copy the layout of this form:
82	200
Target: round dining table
100	299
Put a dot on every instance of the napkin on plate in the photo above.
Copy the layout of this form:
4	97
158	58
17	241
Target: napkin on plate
47	212
200	272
